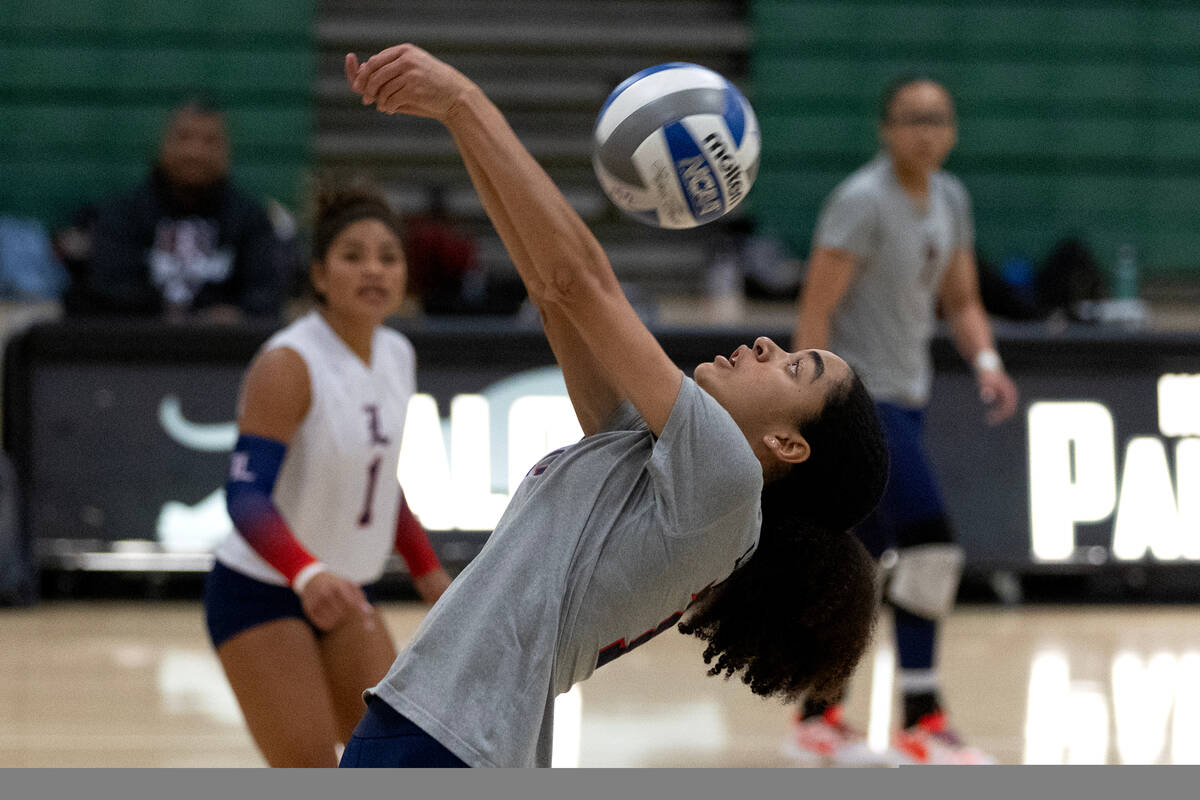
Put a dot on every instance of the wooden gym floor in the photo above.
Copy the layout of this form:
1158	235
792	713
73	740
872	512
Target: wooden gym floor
135	684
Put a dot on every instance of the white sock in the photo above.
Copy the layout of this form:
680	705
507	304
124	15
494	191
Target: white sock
917	681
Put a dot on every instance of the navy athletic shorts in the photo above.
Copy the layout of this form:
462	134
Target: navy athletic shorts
911	507
234	602
386	738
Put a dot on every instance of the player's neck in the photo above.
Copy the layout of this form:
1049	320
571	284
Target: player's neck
356	333
915	182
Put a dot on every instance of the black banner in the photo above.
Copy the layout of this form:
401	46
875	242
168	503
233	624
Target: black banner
120	435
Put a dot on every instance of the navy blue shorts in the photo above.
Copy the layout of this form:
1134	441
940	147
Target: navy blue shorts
386	738
911	510
234	602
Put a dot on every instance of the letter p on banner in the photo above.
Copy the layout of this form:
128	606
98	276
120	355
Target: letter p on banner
1072	473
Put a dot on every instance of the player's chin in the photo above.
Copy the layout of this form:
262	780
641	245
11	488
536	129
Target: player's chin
704	373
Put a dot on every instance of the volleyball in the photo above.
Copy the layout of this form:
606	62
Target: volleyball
676	146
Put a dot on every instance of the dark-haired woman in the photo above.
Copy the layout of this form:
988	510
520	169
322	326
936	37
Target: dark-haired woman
655	513
312	493
894	242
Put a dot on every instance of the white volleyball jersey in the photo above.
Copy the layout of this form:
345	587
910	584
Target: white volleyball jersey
337	487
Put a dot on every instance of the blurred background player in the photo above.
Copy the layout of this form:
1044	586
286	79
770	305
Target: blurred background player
893	247
312	492
186	243
657	510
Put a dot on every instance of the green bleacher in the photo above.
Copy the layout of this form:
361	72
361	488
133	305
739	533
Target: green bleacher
86	85
1075	117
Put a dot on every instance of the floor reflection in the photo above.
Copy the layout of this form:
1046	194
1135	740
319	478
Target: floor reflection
1148	708
190	681
136	684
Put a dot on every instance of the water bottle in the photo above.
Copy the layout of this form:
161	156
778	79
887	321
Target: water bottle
726	290
1125	277
1126	308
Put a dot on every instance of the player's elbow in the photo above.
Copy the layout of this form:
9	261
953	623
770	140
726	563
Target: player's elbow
581	283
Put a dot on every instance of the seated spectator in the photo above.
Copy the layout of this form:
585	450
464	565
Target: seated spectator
186	243
442	270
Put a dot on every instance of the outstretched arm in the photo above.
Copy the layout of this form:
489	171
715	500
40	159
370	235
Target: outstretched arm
593	394
560	260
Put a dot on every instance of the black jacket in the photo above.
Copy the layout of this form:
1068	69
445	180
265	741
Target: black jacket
118	275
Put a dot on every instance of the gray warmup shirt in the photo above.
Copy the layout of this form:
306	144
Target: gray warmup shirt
883	324
604	545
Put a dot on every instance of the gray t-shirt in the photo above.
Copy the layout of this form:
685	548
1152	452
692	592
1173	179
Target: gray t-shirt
883	324
604	545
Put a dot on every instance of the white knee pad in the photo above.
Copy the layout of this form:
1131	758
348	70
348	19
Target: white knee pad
924	579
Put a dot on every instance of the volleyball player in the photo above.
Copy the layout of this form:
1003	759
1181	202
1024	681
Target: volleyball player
313	495
894	242
727	497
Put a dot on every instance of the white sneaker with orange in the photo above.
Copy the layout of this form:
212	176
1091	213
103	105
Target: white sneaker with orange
930	741
826	741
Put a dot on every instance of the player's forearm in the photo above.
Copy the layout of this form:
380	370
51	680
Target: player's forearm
812	328
971	330
561	249
412	542
830	273
503	224
255	463
591	391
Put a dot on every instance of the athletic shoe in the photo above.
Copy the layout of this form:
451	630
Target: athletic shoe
826	741
931	741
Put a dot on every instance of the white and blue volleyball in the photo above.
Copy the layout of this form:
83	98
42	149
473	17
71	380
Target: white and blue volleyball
676	146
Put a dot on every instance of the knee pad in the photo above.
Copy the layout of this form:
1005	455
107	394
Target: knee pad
924	579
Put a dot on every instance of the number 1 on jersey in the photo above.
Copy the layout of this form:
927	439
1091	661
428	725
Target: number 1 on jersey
364	519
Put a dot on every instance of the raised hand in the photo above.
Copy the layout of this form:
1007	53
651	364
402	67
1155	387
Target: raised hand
405	79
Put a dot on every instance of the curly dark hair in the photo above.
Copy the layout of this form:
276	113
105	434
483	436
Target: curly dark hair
797	617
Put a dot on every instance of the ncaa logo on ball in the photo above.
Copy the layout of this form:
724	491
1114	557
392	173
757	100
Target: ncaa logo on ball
676	146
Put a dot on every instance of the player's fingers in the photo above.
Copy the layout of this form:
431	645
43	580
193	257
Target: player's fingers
1008	395
380	73
385	82
1004	407
339	609
368	67
322	614
1010	402
391	96
356	599
351	66
330	606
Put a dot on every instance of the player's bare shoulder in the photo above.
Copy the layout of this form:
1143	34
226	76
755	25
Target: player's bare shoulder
276	394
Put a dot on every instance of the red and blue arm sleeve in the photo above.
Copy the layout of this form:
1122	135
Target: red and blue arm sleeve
253	470
412	542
